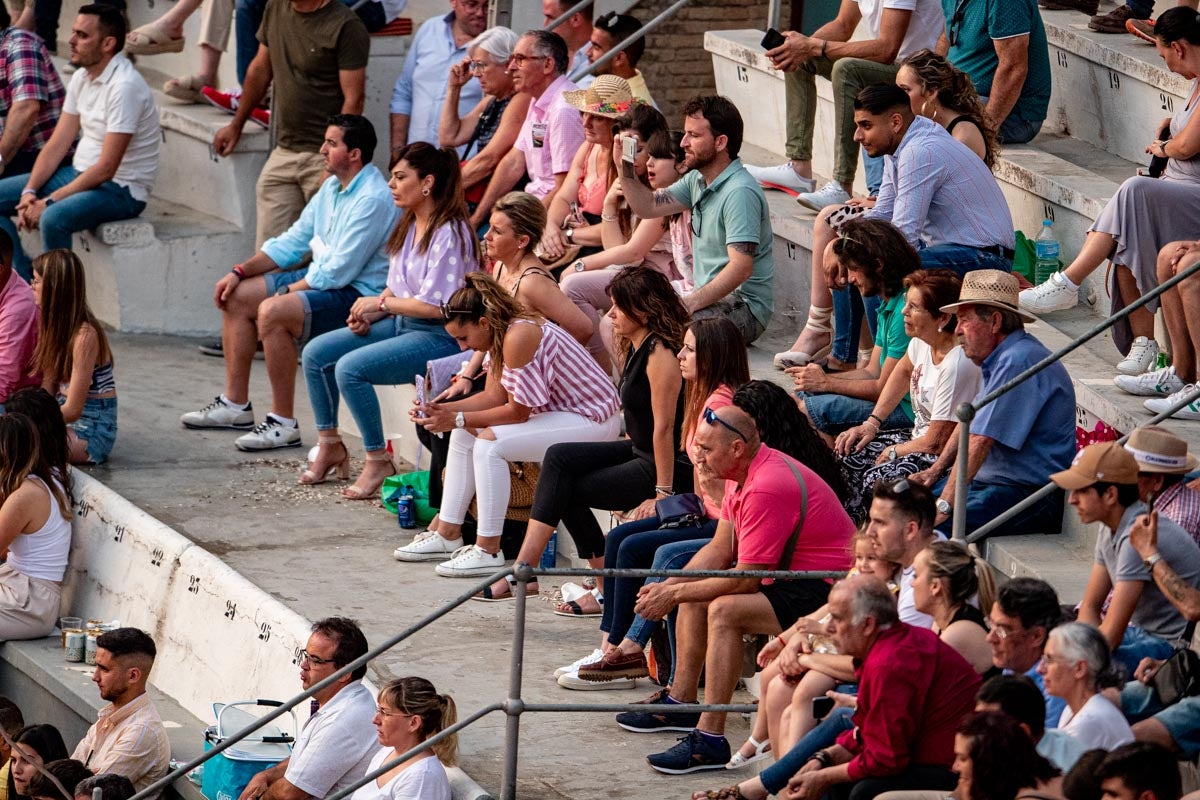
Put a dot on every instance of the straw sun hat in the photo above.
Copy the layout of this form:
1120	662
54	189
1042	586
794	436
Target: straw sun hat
990	287
608	96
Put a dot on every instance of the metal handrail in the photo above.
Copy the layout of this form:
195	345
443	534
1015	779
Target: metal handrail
662	17
966	412
570	12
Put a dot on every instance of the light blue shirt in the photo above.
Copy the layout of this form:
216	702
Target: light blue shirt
345	230
421	96
581	61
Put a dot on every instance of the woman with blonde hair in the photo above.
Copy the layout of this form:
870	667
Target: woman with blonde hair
945	579
410	712
73	356
543	387
941	91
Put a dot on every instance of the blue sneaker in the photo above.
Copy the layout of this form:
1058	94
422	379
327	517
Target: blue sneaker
654	721
693	753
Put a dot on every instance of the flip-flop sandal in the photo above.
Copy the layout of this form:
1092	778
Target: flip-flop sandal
151	40
728	793
186	89
572	591
573	609
486	596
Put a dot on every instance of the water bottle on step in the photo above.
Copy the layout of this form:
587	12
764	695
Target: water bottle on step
1047	253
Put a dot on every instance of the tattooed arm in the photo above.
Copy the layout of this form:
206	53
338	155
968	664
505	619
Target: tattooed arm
645	203
1143	535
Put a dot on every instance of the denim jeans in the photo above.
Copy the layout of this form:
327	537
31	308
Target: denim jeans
849	308
635	545
776	776
986	501
1142	9
669	556
1137	644
1016	129
874	169
834	413
247	16
79	212
395	350
961	259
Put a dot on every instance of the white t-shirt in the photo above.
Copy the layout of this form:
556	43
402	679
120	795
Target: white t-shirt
336	743
118	101
924	26
905	604
937	390
1098	724
424	780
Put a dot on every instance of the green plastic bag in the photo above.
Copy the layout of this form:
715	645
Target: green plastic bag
393	487
1025	256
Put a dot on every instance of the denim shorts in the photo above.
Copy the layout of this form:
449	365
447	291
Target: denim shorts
324	310
97	426
1182	720
834	413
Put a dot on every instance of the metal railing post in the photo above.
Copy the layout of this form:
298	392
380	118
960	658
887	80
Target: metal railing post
665	15
515	705
965	413
575	9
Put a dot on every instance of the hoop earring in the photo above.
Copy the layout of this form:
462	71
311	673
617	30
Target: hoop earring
425	192
925	109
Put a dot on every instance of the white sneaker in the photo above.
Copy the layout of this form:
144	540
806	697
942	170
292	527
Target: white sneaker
219	415
427	546
1157	383
269	435
782	175
571	680
471	561
831	194
1157	405
1055	294
574	666
1142	355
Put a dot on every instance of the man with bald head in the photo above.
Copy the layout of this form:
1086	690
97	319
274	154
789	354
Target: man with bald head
777	515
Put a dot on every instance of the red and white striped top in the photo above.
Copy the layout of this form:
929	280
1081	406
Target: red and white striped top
561	376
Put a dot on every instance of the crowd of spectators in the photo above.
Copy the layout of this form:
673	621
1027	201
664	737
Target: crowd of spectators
585	267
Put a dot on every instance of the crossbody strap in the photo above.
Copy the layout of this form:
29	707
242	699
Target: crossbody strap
789	549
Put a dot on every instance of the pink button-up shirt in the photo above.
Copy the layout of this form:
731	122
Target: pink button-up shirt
18	336
549	137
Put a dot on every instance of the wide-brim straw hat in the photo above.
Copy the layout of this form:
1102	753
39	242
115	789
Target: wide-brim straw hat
608	96
990	287
1158	450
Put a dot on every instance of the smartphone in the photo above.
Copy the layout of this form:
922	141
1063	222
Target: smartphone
420	382
772	40
821	707
1158	164
629	148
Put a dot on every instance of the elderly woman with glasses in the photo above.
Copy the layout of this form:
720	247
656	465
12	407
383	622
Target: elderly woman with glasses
1076	665
490	130
410	712
389	339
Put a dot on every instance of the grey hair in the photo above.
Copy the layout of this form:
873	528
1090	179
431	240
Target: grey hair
1010	321
874	599
498	42
111	786
1078	641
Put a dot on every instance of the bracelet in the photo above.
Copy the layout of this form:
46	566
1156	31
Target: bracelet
822	758
383	304
608	217
824	47
663	491
28	191
241	273
876	418
871	423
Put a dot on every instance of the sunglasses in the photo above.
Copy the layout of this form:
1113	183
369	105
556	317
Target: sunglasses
711	418
448	312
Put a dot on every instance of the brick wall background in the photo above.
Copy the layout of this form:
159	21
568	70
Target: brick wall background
676	65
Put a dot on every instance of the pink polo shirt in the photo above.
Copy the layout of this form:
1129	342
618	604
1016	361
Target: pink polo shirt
18	336
550	136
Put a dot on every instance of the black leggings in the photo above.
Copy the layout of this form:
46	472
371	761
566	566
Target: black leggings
579	476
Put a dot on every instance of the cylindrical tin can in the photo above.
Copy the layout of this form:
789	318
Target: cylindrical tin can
76	645
90	648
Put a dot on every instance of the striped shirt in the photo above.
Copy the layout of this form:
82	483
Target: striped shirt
129	741
937	191
561	376
27	74
1181	503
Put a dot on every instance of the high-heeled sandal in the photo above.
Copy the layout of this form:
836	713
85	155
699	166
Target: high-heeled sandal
355	493
818	321
309	476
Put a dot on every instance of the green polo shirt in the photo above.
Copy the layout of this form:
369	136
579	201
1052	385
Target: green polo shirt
732	209
891	339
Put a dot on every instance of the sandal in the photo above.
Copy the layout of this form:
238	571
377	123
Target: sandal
310	476
186	89
818	322
573	608
761	750
728	793
488	596
357	493
151	40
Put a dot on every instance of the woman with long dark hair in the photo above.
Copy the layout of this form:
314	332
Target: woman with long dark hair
34	746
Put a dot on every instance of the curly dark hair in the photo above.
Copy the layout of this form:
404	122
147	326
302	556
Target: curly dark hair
956	93
645	295
879	250
1003	757
782	426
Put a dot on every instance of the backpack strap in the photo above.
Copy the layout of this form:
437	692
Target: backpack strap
789	549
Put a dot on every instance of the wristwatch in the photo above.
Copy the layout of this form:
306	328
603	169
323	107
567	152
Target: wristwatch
578	265
942	506
282	290
460	420
1151	560
49	201
892	453
569	233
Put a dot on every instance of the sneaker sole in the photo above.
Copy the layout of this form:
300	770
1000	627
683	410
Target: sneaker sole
246	449
812	206
593	676
231	427
697	768
212	351
662	729
1133	370
1183	414
587	686
416	558
473	572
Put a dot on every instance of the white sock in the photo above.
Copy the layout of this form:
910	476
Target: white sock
231	404
287	422
1068	281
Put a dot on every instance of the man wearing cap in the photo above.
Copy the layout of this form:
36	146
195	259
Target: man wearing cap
1163	461
1140	621
1021	437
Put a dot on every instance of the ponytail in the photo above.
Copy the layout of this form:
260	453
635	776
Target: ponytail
447	749
1178	23
483	298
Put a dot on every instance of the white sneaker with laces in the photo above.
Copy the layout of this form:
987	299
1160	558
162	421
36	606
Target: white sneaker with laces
574	666
1157	383
571	680
1157	405
1055	294
831	194
270	434
219	415
427	546
1142	355
471	561
782	175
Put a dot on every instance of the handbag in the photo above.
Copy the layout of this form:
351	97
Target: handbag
685	510
1178	677
522	480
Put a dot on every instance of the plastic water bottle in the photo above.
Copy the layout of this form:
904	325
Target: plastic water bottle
1047	253
550	554
406	509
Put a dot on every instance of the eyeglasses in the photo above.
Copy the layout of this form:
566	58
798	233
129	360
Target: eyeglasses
711	418
315	661
479	66
520	58
35	279
1002	631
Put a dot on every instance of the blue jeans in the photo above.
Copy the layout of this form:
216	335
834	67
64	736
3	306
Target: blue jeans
1182	720
849	308
986	501
669	556
394	351
1141	8
247	16
79	212
1017	130
961	259
874	169
635	545
834	413
1136	644
776	776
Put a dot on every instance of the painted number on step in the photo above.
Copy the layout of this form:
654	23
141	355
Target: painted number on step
264	633
296	656
743	74
119	532
194	584
230	609
1062	58
1114	80
791	251
1168	102
1048	212
83	508
156	557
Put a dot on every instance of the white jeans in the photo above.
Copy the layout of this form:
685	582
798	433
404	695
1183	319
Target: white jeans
480	466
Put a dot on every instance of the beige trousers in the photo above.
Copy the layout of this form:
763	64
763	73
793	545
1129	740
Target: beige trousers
288	181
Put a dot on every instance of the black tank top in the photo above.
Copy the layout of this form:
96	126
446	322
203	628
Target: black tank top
638	410
987	151
970	613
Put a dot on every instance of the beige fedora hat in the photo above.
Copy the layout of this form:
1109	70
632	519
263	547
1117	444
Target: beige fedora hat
1158	450
990	287
608	96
